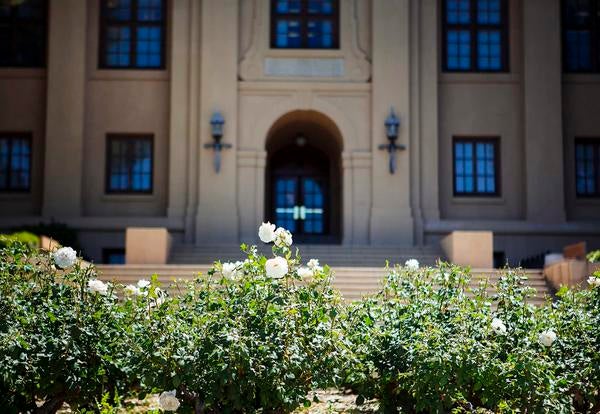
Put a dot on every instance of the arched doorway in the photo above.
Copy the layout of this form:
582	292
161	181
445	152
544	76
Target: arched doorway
303	177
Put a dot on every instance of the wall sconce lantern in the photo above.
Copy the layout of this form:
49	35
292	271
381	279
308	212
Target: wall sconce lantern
392	126
216	128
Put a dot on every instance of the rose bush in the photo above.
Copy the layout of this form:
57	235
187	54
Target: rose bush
261	334
257	334
429	343
62	333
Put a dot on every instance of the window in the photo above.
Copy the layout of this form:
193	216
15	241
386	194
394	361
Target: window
132	34
475	35
113	256
23	33
129	163
476	167
15	162
305	24
581	28
587	167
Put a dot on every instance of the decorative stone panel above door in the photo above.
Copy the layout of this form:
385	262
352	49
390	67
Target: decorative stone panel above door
351	62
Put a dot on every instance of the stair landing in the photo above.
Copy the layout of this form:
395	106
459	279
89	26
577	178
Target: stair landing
353	282
333	255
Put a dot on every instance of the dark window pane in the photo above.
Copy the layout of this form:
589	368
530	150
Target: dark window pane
474	35
15	163
587	168
581	35
298	24
129	164
118	9
23	35
133	34
459	50
113	256
475	167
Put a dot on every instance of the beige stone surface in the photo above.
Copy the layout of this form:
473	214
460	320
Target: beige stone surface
569	272
390	55
147	245
470	248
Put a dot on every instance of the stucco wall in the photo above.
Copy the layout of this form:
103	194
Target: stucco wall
581	119
122	101
23	103
480	104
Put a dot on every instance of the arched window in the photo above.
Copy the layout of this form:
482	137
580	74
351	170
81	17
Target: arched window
132	34
305	24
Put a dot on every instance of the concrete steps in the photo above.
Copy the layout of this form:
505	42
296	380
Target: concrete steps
334	255
353	282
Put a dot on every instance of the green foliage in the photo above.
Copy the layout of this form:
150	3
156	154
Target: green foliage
25	237
243	343
426	343
246	338
59	341
594	257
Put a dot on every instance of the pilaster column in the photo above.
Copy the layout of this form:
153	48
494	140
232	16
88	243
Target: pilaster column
217	215
182	56
543	111
65	113
426	52
391	219
251	192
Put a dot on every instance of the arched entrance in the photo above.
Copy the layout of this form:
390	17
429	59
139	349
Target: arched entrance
303	177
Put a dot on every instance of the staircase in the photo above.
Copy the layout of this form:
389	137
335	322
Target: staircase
352	281
333	255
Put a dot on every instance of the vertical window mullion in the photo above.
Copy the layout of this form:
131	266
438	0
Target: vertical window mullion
133	27
474	29
594	35
9	164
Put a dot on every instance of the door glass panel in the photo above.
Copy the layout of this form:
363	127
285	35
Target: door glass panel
313	213
285	201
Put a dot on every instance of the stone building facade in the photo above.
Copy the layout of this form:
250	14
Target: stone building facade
497	102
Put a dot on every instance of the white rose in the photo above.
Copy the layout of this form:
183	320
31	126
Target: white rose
131	290
313	263
276	268
65	257
547	338
97	286
168	401
593	281
266	232
228	270
412	264
305	272
283	238
143	283
498	326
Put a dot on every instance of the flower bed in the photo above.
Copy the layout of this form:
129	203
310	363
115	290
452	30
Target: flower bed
266	333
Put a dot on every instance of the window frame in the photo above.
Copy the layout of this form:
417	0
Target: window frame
303	17
495	140
473	28
133	24
594	29
595	142
28	136
13	21
128	137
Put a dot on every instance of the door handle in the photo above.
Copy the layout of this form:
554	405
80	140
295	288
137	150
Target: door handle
299	212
